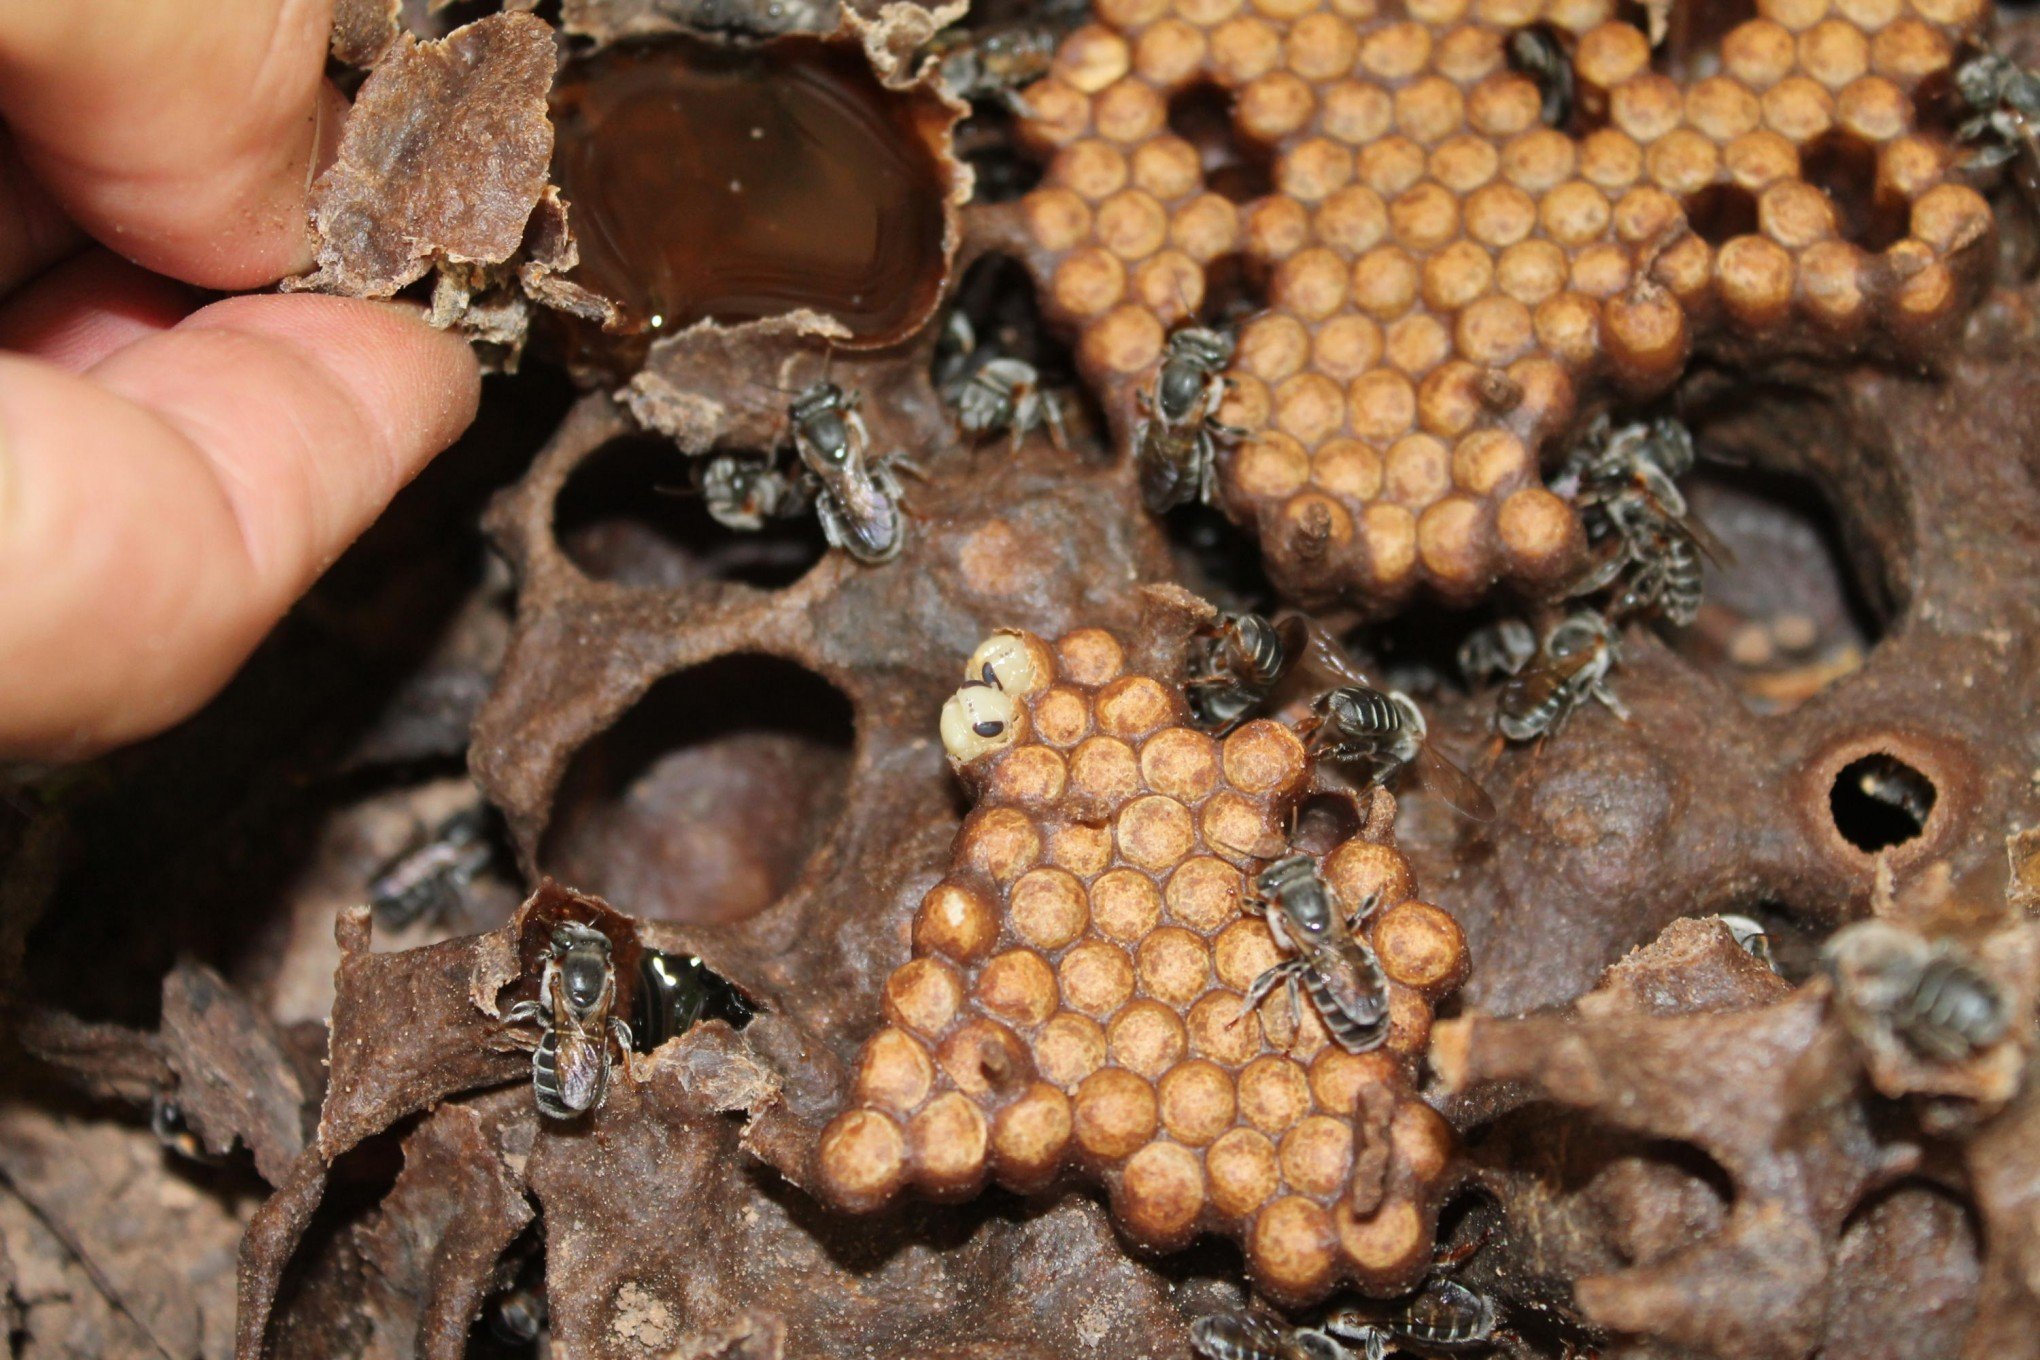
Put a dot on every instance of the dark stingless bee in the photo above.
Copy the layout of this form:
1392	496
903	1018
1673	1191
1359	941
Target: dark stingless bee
1237	661
1536	52
856	498
570	1063
425	879
1333	964
1751	937
1624	481
1927	993
517	1315
994	62
1383	731
1571	668
1445	1317
1175	441
1243	1336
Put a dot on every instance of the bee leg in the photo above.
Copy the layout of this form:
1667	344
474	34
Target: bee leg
1367	908
1615	705
620	1031
1016	104
1264	984
1051	409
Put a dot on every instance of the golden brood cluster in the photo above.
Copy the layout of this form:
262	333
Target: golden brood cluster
1443	270
1074	999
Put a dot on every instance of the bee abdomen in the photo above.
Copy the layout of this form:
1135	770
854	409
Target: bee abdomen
1952	1011
545	1078
1358	1024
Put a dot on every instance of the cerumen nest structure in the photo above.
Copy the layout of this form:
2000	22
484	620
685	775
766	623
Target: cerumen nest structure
1031	977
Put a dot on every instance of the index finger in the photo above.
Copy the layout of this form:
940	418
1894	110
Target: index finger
181	133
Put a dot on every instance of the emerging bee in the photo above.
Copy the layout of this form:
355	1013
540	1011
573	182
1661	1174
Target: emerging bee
1501	648
1929	994
1536	52
993	391
1624	483
173	1130
1571	668
1176	439
743	490
1751	938
857	499
425	879
1334	966
517	1315
677	990
570	1062
1238	661
994	62
1445	1316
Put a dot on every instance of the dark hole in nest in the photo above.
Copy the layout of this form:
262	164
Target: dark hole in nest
630	514
1880	801
997	295
514	1317
1721	212
1323	821
1693	34
1235	289
1844	167
1217	559
1234	167
1788	611
705	801
985	143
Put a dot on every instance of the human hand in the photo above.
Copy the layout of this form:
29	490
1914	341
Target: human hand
173	475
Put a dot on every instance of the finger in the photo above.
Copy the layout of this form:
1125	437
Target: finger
79	312
182	133
33	231
159	513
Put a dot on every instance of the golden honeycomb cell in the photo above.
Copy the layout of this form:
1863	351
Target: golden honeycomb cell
1421	218
1075	999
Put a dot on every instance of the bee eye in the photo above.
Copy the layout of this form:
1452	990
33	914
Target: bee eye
1007	661
978	720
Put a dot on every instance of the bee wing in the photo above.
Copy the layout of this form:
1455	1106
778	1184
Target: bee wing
1453	784
1319	650
1717	552
583	1067
1353	977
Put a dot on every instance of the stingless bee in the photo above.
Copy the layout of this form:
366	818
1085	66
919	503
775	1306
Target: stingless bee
1243	1336
742	491
1503	647
1623	480
1237	662
1444	1317
2004	102
993	391
1383	732
856	498
570	1062
1927	993
1333	964
994	62
1175	441
423	880
1751	937
1571	668
1536	52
